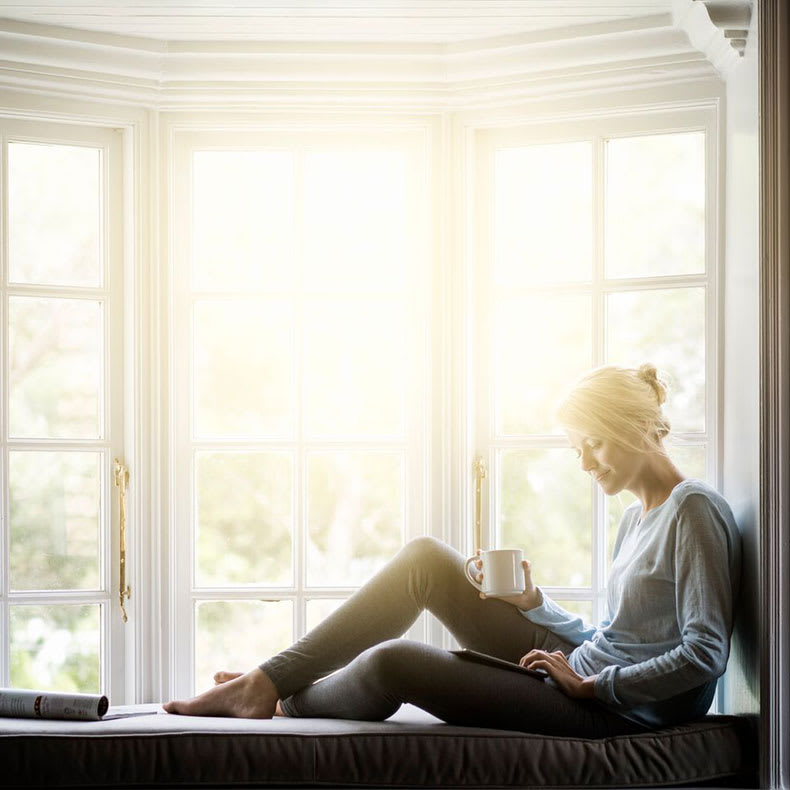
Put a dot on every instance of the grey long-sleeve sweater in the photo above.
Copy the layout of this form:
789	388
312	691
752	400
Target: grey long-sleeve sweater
671	595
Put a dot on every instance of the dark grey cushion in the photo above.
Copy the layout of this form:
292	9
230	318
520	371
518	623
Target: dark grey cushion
412	749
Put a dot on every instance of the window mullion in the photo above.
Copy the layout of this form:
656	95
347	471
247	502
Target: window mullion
654	283
300	471
599	537
483	360
182	636
714	299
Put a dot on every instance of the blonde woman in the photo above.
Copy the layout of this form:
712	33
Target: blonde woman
652	662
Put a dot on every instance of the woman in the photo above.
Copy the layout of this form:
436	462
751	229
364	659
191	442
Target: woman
653	662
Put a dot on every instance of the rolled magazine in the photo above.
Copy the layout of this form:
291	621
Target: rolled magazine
22	703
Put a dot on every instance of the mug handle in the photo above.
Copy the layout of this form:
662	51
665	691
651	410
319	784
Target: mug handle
472	581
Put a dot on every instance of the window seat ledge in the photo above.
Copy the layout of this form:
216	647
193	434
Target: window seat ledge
141	746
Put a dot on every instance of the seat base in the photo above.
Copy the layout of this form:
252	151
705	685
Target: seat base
141	746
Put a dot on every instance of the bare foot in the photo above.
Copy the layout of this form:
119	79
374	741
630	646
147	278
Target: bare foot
224	677
248	696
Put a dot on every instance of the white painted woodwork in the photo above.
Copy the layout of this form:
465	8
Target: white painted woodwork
639	53
438	21
740	382
719	28
434	54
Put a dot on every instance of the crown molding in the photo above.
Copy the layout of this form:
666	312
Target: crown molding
629	52
718	28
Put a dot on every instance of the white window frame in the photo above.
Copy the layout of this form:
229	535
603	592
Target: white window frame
114	673
481	144
181	139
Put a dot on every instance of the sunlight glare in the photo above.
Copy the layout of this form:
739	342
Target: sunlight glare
356	235
243	220
541	345
543	214
54	214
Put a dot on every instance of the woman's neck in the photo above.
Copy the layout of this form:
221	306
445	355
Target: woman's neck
655	483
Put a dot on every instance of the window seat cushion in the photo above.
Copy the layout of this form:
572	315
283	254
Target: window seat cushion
412	749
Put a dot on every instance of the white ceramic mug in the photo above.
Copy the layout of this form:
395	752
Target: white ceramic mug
502	572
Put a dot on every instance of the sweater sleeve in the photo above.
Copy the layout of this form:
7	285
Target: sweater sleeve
564	624
706	557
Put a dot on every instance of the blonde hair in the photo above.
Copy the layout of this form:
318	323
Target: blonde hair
619	404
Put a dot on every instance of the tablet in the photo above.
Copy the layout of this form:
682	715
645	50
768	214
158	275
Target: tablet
482	658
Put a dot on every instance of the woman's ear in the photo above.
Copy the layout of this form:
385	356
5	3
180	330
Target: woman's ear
652	441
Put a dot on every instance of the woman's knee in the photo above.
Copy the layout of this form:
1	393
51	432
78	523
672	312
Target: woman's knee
428	551
386	660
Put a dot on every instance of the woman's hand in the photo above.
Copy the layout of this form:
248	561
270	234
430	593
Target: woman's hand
561	672
529	599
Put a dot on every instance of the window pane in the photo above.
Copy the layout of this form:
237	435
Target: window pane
55	349
546	510
355	234
237	636
54	214
355	368
243	220
54	515
56	648
667	328
689	459
355	515
244	369
542	344
244	518
543	214
655	205
318	609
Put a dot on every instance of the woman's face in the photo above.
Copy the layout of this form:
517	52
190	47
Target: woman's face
611	465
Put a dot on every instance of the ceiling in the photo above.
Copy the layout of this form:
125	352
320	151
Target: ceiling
436	21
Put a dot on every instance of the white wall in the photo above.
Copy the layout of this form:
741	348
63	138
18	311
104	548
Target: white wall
741	441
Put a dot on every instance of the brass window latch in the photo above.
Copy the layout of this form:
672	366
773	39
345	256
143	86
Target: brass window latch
481	472
121	475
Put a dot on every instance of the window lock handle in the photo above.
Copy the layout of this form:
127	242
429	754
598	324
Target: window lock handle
121	476
481	472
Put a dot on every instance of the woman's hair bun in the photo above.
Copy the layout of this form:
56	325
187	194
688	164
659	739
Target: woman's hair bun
622	404
649	375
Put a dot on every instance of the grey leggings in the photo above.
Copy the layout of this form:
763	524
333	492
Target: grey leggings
379	671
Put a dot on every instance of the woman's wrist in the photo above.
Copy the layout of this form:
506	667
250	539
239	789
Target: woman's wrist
535	600
588	687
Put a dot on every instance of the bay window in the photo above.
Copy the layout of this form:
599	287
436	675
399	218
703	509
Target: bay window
320	361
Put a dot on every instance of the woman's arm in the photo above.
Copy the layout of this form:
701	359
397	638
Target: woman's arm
568	626
706	558
537	607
